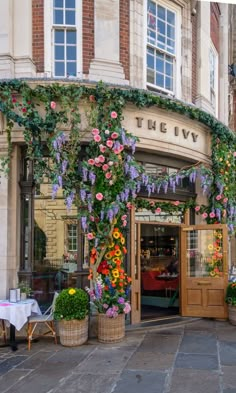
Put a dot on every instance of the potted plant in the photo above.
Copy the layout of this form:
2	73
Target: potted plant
112	305
25	290
71	311
230	299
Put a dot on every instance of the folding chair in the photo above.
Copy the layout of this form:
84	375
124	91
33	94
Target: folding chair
47	318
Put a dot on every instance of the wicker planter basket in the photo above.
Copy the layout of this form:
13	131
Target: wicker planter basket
74	332
232	314
111	330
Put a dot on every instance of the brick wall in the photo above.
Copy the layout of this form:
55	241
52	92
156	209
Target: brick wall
124	36
215	27
38	34
194	58
88	34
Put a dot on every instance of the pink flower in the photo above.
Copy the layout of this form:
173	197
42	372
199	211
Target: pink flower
13	100
107	132
24	110
97	161
225	200
113	115
91	161
98	164
53	105
97	138
109	143
116	151
127	308
101	158
92	98
204	215
197	208
124	223
114	135
108	175
234	154
110	163
218	197
111	182
102	148
95	131
212	215
105	167
129	205
90	236
99	196
92	218
176	203
124	217
158	210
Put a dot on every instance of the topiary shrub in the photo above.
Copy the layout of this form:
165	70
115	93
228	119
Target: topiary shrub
71	303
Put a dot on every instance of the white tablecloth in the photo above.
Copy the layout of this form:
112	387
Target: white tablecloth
17	313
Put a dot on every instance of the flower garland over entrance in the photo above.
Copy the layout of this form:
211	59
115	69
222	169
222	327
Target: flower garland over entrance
104	184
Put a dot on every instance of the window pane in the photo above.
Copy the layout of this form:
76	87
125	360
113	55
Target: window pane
59	52
160	80
71	37
151	21
71	69
150	51
150	61
169	69
70	17
161	12
161	27
70	3
58	17
150	76
71	53
160	65
152	7
170	17
151	37
169	83
59	69
161	38
58	3
59	37
170	32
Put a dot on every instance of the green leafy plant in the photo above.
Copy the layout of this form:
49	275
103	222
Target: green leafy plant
230	297
25	288
71	303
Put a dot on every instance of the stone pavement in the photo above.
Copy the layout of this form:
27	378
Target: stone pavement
196	357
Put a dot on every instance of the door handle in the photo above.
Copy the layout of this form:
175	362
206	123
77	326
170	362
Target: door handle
203	283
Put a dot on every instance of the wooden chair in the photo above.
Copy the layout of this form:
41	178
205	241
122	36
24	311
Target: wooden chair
47	319
4	331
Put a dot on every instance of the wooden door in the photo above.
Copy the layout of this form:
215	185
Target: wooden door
204	270
135	275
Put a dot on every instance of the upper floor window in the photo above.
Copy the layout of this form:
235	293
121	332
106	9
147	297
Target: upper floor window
213	62
63	42
72	237
162	45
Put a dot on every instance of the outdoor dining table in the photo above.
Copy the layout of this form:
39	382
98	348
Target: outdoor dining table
16	314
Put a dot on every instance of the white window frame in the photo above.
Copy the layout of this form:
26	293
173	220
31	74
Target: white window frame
49	29
213	50
177	57
74	237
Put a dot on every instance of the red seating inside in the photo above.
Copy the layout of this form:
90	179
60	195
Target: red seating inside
151	283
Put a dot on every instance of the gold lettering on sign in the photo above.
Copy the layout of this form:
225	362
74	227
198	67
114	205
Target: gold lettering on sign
139	121
163	127
151	125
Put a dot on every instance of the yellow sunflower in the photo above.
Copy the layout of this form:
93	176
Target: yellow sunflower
212	273
122	240
116	235
118	253
108	255
115	273
111	245
72	291
210	247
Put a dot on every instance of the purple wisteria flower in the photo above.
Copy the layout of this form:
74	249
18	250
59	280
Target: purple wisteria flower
55	188
82	195
85	173
92	177
69	201
84	223
64	166
59	178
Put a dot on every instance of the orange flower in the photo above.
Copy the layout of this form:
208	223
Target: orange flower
124	250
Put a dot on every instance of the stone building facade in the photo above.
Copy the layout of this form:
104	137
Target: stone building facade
173	48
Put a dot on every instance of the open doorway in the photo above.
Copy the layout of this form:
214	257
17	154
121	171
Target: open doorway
160	266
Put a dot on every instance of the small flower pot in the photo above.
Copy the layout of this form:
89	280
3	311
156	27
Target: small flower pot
74	332
111	330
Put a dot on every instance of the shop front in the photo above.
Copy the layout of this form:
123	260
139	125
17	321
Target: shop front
177	261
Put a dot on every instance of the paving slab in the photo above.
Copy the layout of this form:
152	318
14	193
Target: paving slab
151	361
140	381
163	343
195	343
197	361
227	353
194	381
